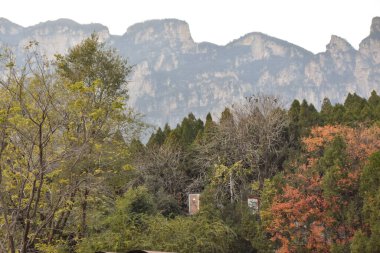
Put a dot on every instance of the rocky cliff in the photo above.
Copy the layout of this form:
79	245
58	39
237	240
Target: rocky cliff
174	75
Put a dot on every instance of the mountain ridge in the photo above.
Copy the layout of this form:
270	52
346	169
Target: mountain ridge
174	75
73	22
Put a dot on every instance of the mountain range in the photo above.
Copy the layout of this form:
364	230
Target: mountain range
173	75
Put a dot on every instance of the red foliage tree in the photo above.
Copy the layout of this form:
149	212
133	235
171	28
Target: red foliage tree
315	208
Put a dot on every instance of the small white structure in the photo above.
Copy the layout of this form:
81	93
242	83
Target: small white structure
253	204
194	203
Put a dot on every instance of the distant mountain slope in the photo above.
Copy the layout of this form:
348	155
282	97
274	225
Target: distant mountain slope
174	75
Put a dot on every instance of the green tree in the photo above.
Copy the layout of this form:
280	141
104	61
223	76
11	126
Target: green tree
32	190
374	103
93	126
230	183
337	115
96	78
308	117
92	62
327	112
370	191
294	124
157	138
354	106
205	136
132	223
189	129
209	124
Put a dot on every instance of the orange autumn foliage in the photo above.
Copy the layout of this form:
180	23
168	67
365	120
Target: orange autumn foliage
304	216
300	216
361	142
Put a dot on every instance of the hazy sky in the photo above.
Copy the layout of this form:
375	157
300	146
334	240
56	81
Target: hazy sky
307	23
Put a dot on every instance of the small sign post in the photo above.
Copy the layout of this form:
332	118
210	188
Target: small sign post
253	204
193	203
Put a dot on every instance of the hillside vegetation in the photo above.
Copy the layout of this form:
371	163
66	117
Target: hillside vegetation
74	176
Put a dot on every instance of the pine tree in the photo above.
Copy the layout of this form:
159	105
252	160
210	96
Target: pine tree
327	112
353	108
370	191
157	139
374	104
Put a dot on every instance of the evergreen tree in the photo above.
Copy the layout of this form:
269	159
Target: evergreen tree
226	116
308	117
374	104
337	116
368	238
327	112
294	124
157	139
189	129
167	130
353	108
209	123
209	129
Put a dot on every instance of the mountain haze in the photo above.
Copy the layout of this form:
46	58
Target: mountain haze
174	75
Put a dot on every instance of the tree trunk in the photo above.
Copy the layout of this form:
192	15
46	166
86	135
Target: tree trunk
232	189
11	242
83	229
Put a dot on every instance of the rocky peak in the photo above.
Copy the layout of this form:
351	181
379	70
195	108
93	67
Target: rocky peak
369	48
170	31
58	22
264	46
338	44
375	26
250	39
5	22
9	28
59	35
66	25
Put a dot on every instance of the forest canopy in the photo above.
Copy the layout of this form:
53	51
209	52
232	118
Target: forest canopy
75	177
